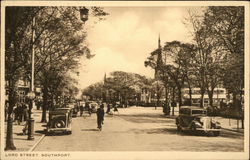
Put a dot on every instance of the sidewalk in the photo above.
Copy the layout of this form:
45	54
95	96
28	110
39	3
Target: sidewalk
20	141
230	124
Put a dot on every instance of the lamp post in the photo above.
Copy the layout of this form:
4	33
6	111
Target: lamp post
156	100
31	94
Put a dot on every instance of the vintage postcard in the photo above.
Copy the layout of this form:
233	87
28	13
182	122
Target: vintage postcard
124	80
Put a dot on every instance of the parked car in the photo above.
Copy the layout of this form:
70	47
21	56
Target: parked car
93	106
195	119
75	110
60	121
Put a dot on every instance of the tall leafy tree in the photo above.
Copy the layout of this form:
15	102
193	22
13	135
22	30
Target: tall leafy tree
227	25
177	70
17	48
57	31
58	48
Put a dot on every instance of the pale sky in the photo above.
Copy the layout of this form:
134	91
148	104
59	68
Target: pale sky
125	39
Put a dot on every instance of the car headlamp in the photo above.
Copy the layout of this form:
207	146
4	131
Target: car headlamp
202	119
214	120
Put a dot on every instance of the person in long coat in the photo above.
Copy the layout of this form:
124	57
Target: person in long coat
116	108
100	116
108	108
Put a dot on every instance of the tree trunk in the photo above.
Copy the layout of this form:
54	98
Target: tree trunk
179	97
235	100
158	100
242	110
9	135
173	100
190	95
202	98
166	95
210	96
45	104
242	121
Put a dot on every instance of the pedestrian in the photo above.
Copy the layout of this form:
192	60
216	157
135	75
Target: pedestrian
100	116
15	111
81	110
111	109
19	113
38	104
168	109
108	108
88	108
115	108
25	113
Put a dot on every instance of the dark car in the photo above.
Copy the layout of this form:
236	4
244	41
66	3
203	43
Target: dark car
93	107
60	121
75	111
195	119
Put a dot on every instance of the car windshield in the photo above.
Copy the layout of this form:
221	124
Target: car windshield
198	112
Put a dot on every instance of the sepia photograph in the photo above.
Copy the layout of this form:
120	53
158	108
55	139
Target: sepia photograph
124	80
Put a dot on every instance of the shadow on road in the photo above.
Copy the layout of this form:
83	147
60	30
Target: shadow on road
145	115
159	131
145	118
41	131
86	130
174	131
230	134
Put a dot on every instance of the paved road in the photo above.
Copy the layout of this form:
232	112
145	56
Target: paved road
137	129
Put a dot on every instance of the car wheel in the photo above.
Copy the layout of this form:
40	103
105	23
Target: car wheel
48	133
179	128
59	124
193	128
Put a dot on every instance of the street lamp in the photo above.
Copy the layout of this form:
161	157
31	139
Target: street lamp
31	94
156	100
84	14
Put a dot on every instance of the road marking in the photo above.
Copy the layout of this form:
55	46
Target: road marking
32	148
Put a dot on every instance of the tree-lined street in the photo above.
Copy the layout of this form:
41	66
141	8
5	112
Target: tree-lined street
161	73
137	129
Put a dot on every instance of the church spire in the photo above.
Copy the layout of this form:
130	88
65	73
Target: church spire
105	78
159	59
159	41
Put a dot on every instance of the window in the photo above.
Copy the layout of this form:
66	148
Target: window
206	101
198	112
188	112
185	111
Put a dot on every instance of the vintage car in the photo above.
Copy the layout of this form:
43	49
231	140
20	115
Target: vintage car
59	121
93	106
195	119
75	111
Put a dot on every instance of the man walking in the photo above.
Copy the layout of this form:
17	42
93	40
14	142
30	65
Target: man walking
81	110
115	108
100	116
108	108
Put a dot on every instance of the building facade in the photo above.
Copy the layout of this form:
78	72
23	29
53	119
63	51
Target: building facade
219	95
